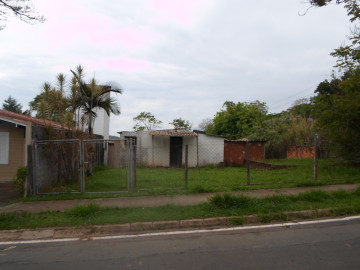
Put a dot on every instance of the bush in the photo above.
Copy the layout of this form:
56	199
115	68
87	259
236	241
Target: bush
226	201
19	181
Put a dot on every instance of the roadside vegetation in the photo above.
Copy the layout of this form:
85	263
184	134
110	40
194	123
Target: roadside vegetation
267	209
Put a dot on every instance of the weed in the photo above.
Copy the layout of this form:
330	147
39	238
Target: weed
19	181
84	211
226	201
341	194
314	196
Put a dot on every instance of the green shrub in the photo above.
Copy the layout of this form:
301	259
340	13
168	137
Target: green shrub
19	181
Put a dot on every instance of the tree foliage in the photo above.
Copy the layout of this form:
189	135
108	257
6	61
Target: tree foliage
145	121
56	104
337	110
93	96
238	120
11	104
181	124
22	9
205	124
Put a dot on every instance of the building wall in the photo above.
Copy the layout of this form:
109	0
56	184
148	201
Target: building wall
211	149
155	150
101	124
17	137
300	152
116	157
235	152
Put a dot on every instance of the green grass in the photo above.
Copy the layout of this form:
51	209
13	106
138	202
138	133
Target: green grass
267	209
160	181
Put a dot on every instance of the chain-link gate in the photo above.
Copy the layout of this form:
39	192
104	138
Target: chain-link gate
104	165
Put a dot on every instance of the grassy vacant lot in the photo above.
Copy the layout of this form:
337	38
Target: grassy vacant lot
340	203
169	181
212	179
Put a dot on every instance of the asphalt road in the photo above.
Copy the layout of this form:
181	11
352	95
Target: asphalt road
325	246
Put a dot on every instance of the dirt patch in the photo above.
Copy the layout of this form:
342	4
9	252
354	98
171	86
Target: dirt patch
267	166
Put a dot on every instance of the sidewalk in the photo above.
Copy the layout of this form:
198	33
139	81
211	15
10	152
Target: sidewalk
92	232
149	201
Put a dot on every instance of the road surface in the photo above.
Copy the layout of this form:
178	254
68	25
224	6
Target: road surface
334	245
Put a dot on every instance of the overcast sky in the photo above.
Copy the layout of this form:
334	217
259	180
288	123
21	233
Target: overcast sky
176	58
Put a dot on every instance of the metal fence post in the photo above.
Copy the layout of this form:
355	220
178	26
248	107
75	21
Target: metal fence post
316	157
248	161
186	164
131	156
82	166
35	166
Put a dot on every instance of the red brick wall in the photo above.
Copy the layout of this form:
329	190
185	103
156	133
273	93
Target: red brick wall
300	152
235	152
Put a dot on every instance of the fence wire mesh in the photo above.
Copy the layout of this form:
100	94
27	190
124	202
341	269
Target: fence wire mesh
80	166
129	164
57	166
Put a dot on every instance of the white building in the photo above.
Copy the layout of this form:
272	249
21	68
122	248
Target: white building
166	148
101	123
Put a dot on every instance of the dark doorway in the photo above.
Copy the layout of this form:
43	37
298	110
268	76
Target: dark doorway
176	151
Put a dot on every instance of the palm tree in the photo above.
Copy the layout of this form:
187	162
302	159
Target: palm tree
93	96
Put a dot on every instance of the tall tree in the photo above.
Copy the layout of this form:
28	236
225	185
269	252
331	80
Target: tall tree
238	120
93	96
145	121
52	103
57	104
11	104
337	110
23	9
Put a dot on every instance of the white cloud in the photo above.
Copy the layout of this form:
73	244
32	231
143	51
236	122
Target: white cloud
175	58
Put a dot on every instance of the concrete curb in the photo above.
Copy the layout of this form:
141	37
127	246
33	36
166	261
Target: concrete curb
105	230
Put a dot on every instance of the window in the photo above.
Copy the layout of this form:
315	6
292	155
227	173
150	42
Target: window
4	147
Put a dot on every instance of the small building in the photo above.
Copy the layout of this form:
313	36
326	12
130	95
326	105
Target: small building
235	151
16	132
166	148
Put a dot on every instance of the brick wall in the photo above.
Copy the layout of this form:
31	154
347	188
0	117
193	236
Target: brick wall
235	152
300	152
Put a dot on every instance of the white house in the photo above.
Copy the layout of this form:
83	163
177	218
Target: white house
166	148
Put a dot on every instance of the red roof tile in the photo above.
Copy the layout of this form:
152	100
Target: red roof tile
28	119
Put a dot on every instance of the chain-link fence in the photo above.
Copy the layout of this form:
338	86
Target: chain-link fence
82	166
56	166
167	163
